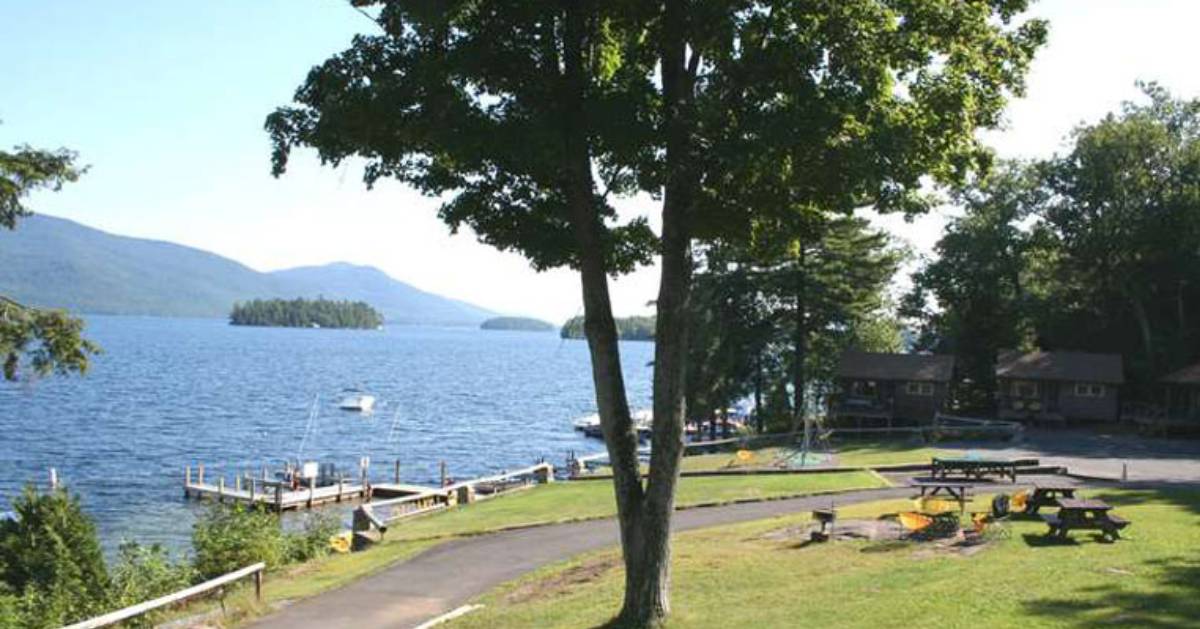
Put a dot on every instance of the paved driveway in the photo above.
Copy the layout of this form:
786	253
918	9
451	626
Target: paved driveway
1104	454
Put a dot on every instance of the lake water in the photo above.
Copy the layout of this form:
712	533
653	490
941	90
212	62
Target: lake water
170	392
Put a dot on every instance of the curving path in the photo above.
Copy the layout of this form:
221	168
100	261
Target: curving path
448	575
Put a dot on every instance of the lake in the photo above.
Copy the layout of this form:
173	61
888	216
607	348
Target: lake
171	392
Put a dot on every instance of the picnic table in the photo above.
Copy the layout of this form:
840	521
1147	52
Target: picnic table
1047	495
960	491
979	468
1094	515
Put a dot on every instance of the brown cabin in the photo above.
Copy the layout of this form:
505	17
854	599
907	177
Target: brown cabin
1057	387
1182	394
885	388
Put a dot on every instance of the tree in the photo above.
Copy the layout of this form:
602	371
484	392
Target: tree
972	298
50	559
531	116
1123	218
48	340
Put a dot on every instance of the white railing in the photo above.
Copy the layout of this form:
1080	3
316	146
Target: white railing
177	597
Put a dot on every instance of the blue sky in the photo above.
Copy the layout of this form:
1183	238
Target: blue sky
165	101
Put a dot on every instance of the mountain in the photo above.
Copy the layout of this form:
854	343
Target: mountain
54	262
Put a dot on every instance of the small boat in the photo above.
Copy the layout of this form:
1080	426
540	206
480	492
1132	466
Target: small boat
589	425
355	400
588	421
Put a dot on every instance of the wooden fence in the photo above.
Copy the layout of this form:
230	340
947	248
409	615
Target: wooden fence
112	618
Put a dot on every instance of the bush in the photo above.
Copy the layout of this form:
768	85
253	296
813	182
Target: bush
50	561
312	540
228	538
143	573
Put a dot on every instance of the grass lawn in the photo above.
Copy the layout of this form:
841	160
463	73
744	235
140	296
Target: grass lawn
849	454
560	502
899	452
736	576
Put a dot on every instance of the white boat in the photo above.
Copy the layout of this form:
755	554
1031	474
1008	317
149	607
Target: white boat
588	422
355	400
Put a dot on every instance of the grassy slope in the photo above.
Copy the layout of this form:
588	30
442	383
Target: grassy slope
732	576
592	499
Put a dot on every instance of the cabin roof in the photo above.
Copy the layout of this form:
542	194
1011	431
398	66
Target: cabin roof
1187	375
876	366
1061	365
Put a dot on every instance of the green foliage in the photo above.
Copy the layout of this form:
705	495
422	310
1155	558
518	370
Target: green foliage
972	299
25	169
312	540
766	322
45	340
305	313
50	561
525	324
231	537
1123	218
1093	250
635	328
889	92
143	573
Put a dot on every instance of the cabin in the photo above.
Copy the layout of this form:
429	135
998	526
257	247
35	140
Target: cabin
1058	387
882	389
1182	395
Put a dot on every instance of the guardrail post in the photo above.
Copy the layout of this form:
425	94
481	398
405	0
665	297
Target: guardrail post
258	579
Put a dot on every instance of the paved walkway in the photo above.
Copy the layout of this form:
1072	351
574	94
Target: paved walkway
447	576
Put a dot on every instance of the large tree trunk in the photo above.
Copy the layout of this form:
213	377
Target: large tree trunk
620	435
644	515
648	578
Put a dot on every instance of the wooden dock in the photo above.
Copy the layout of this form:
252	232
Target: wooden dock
274	494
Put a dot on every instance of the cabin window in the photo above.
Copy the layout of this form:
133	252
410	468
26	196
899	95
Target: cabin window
1088	389
1024	389
863	388
919	388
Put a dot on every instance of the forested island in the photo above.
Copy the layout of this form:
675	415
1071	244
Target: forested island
638	328
306	313
523	324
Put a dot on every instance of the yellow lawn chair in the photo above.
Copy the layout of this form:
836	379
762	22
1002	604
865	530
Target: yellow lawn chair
914	522
1019	502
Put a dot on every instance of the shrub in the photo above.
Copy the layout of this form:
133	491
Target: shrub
143	573
50	561
312	540
228	538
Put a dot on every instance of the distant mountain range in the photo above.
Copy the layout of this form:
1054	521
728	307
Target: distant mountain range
54	262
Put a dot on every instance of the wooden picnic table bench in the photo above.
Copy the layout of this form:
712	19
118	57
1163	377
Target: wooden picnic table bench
1094	515
958	491
979	468
1047	495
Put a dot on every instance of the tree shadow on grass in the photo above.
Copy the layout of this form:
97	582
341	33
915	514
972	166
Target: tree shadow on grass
1173	604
